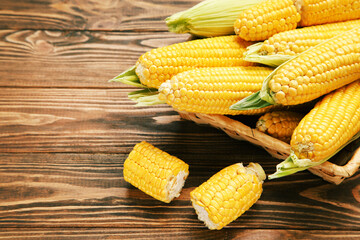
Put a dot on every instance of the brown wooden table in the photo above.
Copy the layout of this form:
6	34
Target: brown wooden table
65	132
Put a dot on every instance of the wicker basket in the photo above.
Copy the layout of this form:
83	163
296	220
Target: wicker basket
329	171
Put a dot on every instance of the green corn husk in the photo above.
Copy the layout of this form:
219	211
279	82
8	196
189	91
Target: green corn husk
293	164
253	54
129	77
144	97
209	18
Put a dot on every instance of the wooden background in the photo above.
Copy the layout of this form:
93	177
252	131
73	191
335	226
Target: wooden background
65	132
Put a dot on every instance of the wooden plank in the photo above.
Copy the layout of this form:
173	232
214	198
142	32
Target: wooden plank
110	233
31	58
88	190
116	15
176	233
97	120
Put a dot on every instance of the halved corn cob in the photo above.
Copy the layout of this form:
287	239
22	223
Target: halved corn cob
314	12
315	72
228	194
325	130
209	18
155	172
265	19
160	64
213	90
279	124
285	45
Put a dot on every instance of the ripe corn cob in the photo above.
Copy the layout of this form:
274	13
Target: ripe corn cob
155	172
314	12
160	64
279	124
228	194
265	19
285	45
209	18
325	130
315	72
213	90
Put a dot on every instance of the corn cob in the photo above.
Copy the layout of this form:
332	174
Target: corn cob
314	73
314	12
209	18
213	90
325	130
279	124
160	64
273	16
285	45
155	172
228	194
265	19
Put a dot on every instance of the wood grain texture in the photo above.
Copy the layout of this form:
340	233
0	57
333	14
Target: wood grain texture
88	190
65	132
73	59
177	233
97	120
109	15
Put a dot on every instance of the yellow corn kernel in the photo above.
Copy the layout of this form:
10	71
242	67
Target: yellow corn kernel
266	18
314	12
155	172
320	70
329	125
279	124
213	90
160	64
228	194
298	40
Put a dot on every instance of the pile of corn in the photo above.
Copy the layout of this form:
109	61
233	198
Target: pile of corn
260	58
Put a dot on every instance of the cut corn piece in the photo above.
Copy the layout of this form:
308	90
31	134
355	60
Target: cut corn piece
265	19
155	172
228	194
279	124
312	74
285	45
209	18
325	130
160	64
213	90
314	12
